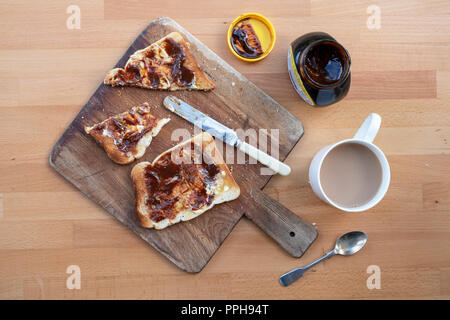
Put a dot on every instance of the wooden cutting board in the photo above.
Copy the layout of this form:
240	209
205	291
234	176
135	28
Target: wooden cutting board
235	102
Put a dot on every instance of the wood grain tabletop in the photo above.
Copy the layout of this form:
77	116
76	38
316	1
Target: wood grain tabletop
400	70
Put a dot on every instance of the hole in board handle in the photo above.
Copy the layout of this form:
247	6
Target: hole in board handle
292	234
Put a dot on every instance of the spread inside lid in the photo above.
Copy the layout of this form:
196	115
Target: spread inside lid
251	37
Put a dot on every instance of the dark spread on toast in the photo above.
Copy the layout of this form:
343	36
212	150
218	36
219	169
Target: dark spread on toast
123	128
182	75
147	70
245	41
174	186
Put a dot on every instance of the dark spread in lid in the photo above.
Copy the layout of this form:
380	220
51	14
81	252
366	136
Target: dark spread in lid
245	41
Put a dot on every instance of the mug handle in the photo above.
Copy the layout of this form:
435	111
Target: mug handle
369	129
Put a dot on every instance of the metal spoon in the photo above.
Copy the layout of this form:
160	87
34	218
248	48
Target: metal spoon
346	245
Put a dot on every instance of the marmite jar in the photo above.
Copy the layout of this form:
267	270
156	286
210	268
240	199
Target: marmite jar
319	68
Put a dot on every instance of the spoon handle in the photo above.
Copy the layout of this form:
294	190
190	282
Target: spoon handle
291	276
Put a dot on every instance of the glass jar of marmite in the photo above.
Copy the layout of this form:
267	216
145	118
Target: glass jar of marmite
319	68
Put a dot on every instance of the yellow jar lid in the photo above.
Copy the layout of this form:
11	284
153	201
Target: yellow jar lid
264	31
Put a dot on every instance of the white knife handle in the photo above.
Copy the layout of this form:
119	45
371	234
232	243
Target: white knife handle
264	158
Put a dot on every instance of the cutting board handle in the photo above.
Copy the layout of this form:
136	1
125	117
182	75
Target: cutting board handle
291	232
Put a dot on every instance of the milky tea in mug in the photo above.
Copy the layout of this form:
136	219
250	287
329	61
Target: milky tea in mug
351	175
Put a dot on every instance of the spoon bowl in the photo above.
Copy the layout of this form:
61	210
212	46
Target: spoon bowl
350	243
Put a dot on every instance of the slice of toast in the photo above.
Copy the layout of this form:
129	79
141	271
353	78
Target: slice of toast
166	64
126	136
182	183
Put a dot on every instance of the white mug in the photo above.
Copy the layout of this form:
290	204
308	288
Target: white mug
365	135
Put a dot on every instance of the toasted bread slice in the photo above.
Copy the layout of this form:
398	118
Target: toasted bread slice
182	183
166	64
126	136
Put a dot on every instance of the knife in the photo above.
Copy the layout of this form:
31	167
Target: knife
223	133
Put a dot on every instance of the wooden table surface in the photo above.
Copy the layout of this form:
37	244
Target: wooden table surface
401	71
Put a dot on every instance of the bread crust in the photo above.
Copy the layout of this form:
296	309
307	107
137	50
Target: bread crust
108	140
202	82
226	188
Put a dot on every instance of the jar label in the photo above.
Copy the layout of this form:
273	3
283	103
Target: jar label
296	80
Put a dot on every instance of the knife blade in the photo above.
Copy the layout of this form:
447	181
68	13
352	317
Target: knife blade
223	133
